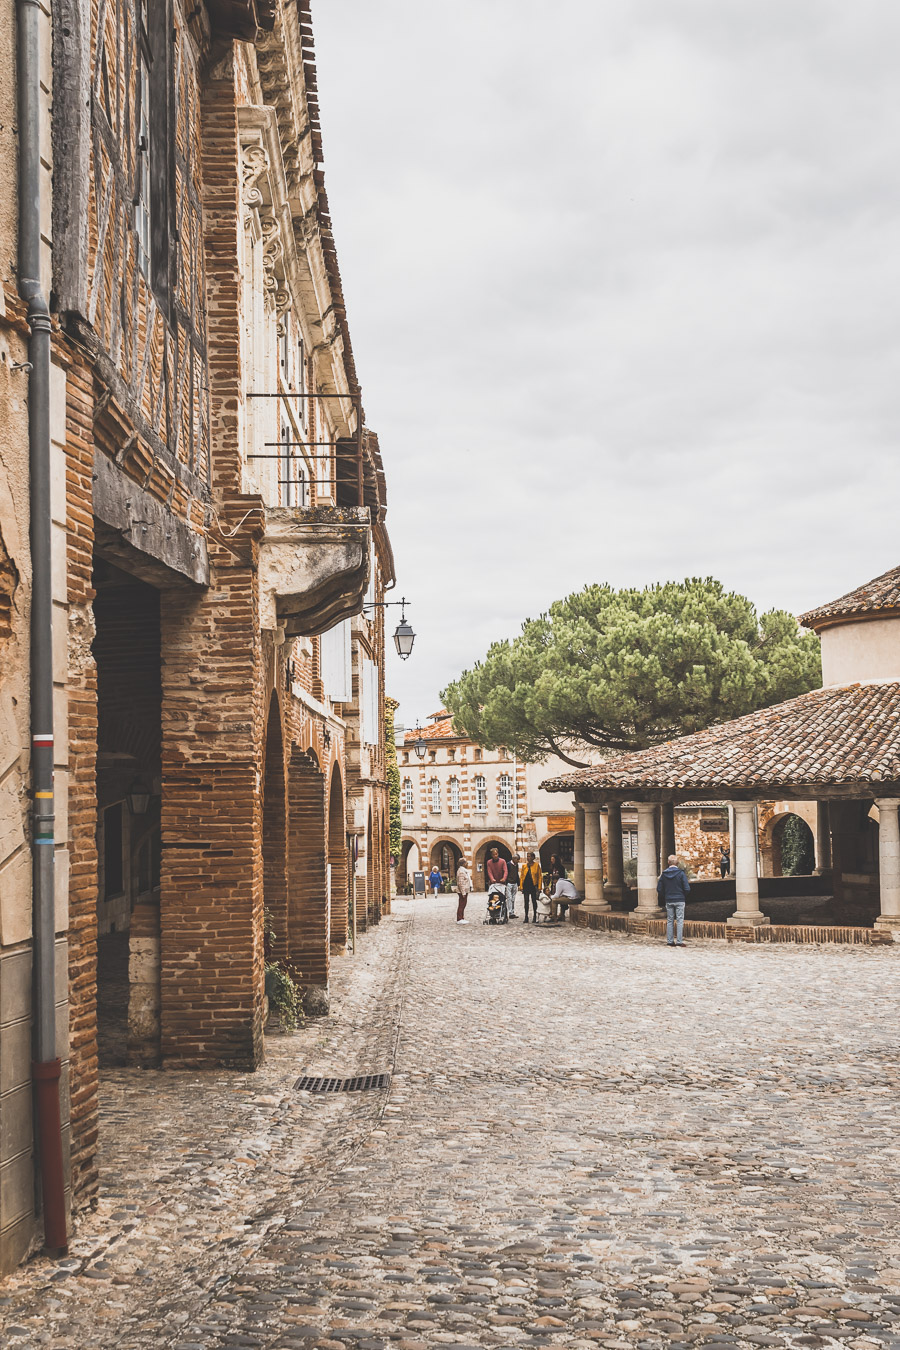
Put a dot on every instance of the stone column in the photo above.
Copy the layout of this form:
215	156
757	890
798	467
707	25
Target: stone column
593	859
748	913
648	903
614	890
823	839
578	877
889	864
667	833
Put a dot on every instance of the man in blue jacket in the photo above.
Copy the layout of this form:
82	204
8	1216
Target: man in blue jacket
672	889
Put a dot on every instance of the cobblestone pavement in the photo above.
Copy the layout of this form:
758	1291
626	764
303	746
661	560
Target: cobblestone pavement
589	1139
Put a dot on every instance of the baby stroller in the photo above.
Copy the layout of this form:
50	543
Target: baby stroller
496	904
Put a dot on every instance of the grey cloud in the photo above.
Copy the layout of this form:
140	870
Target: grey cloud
623	285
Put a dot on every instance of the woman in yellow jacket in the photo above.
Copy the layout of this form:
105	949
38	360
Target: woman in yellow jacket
531	881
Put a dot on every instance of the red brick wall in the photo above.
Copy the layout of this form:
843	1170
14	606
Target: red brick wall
308	909
82	702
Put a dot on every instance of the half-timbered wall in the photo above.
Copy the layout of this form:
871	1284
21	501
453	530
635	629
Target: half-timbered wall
146	306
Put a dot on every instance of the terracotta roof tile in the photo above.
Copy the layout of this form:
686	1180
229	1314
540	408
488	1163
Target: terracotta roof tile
849	734
881	593
442	730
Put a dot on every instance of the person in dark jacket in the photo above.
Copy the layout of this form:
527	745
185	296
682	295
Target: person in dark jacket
673	889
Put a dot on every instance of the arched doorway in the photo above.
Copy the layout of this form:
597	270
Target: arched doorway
371	879
788	846
338	870
274	839
309	927
563	846
409	862
446	853
481	856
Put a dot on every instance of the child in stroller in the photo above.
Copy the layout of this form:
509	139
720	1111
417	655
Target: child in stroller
496	904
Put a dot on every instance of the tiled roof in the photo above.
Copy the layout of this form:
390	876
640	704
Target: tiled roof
438	731
849	734
881	593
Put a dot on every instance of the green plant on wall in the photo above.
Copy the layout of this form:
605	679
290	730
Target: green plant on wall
284	995
798	848
392	774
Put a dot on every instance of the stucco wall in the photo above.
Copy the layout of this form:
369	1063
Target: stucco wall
867	650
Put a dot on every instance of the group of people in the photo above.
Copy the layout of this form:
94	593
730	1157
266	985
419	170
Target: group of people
515	876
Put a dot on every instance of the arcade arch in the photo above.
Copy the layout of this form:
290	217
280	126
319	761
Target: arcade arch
446	853
787	846
482	853
563	846
274	835
338	862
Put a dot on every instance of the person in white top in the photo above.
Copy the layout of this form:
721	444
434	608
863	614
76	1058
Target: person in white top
463	890
563	896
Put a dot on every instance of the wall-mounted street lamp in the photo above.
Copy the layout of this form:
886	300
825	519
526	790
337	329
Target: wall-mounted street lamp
404	637
418	744
138	798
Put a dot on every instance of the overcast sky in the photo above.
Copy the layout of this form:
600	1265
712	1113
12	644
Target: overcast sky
623	283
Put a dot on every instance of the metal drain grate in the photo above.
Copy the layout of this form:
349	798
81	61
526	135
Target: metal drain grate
364	1083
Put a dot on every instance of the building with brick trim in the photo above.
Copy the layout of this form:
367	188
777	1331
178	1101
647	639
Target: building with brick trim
460	799
220	557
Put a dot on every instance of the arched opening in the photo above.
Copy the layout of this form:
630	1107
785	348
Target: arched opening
561	846
370	871
481	856
788	846
409	863
338	869
308	911
445	855
274	839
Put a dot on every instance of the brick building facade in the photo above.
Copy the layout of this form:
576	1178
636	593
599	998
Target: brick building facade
220	556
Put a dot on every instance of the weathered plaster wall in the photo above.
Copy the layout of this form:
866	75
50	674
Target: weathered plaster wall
864	650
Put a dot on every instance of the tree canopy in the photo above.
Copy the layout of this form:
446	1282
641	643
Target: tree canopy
622	670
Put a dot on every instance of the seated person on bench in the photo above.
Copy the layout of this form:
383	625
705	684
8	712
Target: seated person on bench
563	896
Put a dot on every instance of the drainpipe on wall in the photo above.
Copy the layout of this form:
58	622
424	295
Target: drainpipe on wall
46	1065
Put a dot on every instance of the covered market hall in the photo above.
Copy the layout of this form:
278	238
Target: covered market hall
838	746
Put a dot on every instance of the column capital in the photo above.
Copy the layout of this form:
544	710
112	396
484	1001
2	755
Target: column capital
741	807
887	803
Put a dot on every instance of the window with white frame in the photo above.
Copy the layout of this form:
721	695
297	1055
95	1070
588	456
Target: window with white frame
408	800
480	793
455	806
505	793
434	791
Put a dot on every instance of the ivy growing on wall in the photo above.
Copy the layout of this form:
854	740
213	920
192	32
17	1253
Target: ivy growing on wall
392	773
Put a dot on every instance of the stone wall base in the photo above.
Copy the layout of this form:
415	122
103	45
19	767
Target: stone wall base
803	933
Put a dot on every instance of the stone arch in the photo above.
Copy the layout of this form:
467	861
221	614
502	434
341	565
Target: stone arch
308	909
371	878
338	861
482	853
274	837
772	838
408	861
563	845
443	848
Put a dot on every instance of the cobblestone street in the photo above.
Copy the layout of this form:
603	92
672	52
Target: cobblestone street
589	1139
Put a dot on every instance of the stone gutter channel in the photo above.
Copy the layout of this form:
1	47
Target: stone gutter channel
198	1170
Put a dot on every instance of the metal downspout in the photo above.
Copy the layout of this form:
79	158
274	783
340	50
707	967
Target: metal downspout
46	1065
